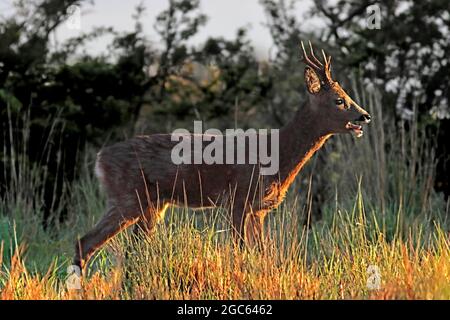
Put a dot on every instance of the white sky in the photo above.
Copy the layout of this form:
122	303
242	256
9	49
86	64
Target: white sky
224	18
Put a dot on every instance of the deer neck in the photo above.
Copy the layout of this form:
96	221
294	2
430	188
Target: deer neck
299	140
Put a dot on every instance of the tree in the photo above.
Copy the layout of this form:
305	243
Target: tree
410	63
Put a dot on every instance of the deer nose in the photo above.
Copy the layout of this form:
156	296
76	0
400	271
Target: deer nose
364	118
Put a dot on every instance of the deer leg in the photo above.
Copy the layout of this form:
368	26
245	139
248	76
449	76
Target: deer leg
110	224
254	229
143	227
247	226
148	220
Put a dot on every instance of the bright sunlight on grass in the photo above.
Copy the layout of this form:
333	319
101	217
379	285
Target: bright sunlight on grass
383	236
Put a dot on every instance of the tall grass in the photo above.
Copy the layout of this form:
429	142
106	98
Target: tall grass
384	216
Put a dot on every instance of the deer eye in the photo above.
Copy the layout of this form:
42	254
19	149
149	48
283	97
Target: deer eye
339	101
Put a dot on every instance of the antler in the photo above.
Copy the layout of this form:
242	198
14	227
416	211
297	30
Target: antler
323	70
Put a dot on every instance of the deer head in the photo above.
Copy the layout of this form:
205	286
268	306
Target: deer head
335	109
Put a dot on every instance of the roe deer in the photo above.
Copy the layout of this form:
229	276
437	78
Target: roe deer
141	181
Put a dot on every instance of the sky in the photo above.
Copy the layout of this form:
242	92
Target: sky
225	17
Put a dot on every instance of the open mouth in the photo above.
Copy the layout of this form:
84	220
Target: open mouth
356	129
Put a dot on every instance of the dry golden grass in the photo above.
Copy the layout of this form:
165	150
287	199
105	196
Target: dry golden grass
401	229
182	262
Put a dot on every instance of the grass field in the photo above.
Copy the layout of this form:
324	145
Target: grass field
384	235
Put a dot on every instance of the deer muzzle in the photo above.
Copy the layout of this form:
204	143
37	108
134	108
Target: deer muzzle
361	116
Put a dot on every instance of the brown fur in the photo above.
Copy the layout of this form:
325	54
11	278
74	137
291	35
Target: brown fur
141	181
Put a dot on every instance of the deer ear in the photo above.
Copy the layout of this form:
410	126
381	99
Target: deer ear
312	81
